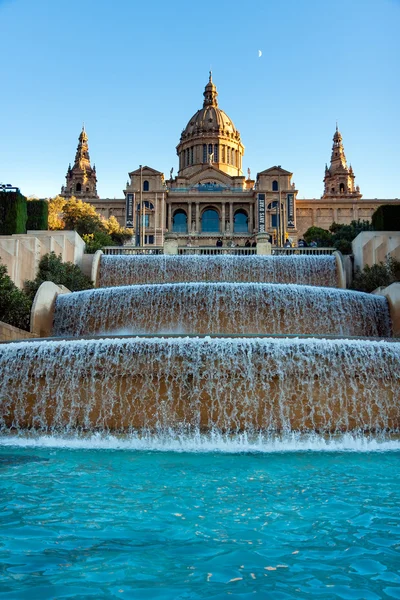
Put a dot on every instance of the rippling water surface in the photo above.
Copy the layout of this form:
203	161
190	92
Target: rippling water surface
125	523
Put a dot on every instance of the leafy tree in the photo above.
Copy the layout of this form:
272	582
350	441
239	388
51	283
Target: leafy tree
15	306
322	236
97	241
82	217
56	208
118	234
387	218
339	236
13	213
37	214
51	268
379	275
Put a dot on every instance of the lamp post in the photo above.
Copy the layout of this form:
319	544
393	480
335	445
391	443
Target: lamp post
280	210
141	205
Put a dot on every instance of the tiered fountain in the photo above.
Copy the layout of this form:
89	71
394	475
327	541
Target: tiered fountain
172	345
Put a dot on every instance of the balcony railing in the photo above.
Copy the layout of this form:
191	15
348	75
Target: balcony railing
298	251
115	250
209	190
214	250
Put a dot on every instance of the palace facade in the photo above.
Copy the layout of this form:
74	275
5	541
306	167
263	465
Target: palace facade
211	198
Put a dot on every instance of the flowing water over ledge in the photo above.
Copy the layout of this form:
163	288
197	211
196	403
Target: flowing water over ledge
212	308
163	526
192	385
306	270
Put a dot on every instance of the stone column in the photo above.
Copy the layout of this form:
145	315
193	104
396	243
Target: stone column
171	243
231	217
251	219
169	217
223	218
189	217
314	217
263	245
197	217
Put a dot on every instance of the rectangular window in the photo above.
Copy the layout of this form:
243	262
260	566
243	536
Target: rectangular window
216	153
149	239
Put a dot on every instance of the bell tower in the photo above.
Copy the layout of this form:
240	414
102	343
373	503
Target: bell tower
339	178
81	179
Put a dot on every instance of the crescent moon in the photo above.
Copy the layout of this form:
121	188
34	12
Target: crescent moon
259	53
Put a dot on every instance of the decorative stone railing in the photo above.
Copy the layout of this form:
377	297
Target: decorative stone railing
204	250
307	250
116	250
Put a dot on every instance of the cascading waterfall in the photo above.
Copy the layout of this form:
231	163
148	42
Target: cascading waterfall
164	387
194	385
130	270
216	308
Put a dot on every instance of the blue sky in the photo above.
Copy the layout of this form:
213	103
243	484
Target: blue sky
135	74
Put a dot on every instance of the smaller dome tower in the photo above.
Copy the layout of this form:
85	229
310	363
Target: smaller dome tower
339	178
81	179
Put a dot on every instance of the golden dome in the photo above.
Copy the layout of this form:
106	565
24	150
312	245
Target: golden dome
210	120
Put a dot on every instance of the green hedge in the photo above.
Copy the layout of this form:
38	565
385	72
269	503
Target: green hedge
38	215
387	218
13	213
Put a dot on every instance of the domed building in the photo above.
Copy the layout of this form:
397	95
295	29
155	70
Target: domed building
210	198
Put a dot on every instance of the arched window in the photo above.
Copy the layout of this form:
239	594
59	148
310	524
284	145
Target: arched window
146	204
210	221
333	190
342	188
240	222
78	187
275	186
179	222
145	185
87	189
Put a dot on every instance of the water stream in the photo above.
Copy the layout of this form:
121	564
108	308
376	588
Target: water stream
305	270
217	308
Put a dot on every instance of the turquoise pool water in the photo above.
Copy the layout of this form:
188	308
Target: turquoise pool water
124	523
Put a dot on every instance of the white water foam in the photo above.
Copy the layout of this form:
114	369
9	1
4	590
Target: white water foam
208	443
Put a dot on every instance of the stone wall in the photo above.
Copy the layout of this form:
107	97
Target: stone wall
371	247
21	253
8	333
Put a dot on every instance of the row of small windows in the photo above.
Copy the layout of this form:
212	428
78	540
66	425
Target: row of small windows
210	222
211	153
